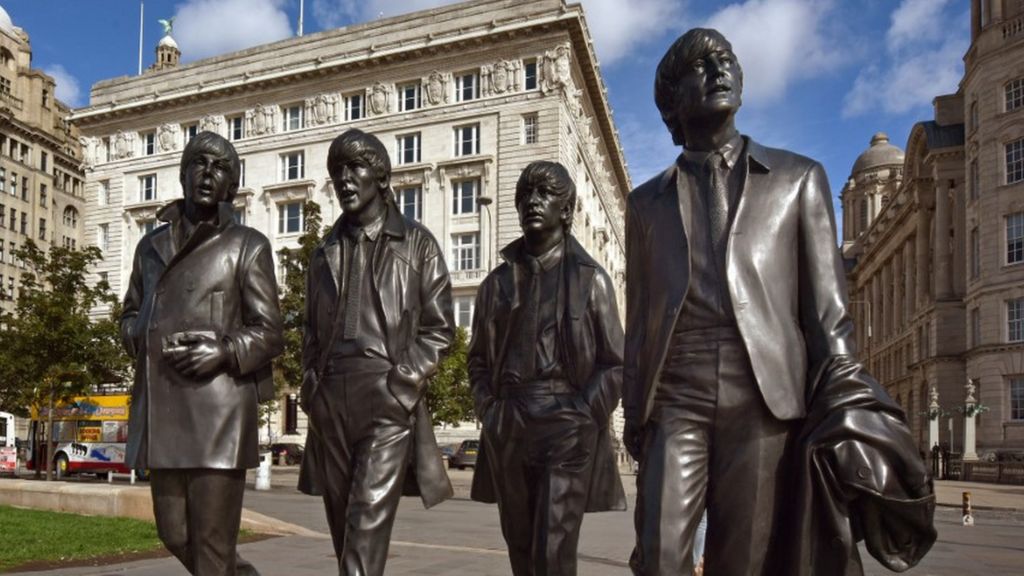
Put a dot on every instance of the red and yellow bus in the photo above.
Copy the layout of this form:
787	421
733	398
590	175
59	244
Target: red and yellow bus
90	435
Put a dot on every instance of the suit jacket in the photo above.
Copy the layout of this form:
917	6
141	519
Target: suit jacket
413	292
784	273
221	281
590	337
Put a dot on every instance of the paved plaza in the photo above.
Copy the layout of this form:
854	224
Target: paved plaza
463	538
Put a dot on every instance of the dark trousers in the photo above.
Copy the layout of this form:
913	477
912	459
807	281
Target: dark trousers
366	437
711	441
541	449
198	512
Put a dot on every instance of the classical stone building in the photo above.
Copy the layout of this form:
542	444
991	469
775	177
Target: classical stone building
937	275
42	187
464	96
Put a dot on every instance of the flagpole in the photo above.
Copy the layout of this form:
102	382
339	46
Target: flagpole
302	8
142	10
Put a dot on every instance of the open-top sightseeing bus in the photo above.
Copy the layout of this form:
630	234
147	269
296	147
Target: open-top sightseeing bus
89	432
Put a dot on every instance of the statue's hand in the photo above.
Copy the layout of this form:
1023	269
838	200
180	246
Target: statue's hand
633	440
198	356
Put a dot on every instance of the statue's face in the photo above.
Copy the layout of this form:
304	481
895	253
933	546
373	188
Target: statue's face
207	181
543	211
356	185
712	85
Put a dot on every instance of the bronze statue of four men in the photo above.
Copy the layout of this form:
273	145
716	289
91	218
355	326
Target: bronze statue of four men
736	368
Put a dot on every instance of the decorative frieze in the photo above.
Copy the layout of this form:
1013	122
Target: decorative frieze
260	120
501	77
436	88
322	109
167	137
380	98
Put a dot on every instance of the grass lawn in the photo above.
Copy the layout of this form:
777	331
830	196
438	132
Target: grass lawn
42	536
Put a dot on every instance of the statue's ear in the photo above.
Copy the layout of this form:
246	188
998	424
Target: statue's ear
385	182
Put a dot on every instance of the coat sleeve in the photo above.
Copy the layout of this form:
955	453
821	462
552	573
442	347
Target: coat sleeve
260	338
636	313
132	303
478	357
603	390
436	329
826	325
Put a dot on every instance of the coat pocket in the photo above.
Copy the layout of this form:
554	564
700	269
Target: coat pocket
217	308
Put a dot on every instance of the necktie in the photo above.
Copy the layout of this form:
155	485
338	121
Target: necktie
717	204
530	313
355	284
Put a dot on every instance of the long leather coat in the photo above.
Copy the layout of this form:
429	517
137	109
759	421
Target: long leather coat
221	281
591	341
413	292
784	274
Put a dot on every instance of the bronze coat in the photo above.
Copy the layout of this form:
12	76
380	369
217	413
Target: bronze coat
785	277
222	281
591	342
413	292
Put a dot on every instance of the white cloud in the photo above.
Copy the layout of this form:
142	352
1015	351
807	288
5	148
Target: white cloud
67	89
778	42
204	28
925	45
616	31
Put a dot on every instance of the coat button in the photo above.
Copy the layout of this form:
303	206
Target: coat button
863	472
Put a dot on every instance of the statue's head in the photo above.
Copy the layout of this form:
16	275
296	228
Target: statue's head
545	197
360	170
698	77
210	171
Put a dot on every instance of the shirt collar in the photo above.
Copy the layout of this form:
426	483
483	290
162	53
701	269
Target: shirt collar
547	260
730	151
371	230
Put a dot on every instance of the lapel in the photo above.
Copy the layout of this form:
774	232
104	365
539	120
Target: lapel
668	222
579	276
756	175
164	243
394	228
332	253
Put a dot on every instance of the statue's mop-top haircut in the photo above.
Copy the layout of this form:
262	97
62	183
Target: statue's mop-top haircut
695	43
554	178
355	143
215	144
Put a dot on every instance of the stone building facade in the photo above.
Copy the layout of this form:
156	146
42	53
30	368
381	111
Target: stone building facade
937	277
464	96
42	186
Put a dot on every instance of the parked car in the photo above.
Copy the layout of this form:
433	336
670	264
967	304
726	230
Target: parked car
448	450
291	452
465	455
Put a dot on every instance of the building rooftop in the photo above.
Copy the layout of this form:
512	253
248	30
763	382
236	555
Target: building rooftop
880	153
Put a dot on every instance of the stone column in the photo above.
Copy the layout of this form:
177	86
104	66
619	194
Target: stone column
933	418
922	242
909	287
942	265
875	327
898	285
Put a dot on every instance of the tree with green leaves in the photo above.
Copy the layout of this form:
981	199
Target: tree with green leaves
449	398
50	347
295	264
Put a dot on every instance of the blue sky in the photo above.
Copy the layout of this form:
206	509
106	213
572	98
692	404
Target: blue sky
821	76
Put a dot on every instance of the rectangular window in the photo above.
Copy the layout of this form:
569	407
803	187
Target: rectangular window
1014	94
530	74
409	148
147	226
467	87
289	218
14	219
464	196
463	311
3	216
43	161
466	251
24	188
1015	161
147	187
14	184
1015	320
148	143
530	129
1015	238
239	216
42	228
42	195
241	173
3	258
24	223
236	127
410	202
1017	398
292	117
975	180
103	193
353	107
293	166
975	254
5	85
3	179
467	140
975	327
188	132
408	97
10	288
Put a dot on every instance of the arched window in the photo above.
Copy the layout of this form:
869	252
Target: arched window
70	217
